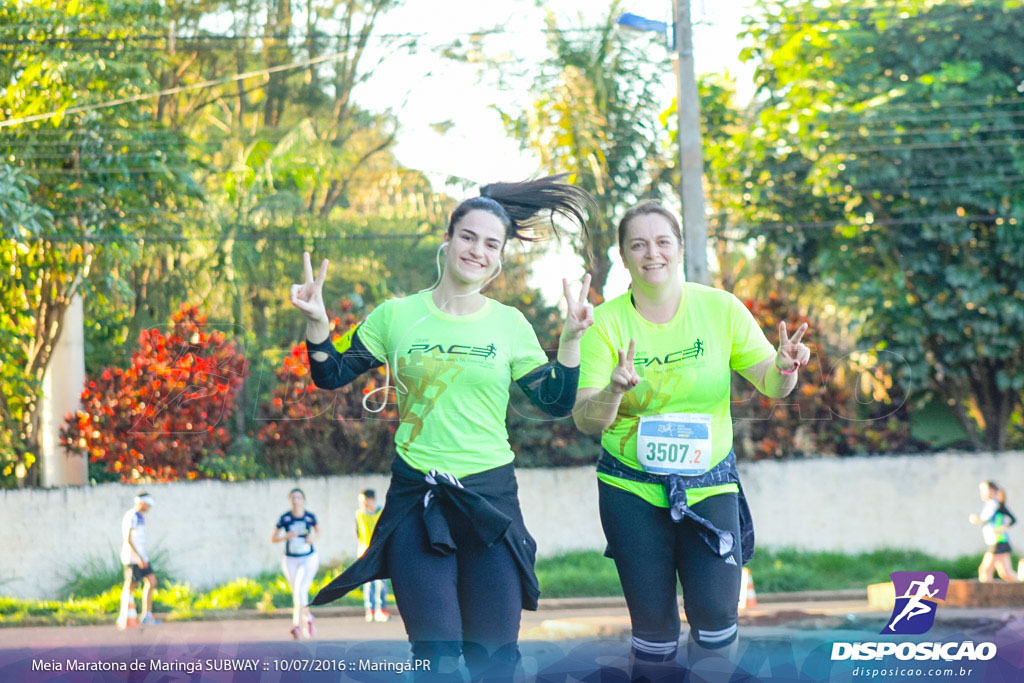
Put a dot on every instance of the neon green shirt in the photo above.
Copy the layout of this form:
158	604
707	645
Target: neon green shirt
452	374
366	522
684	367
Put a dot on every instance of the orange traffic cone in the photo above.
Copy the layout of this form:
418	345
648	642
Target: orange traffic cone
748	597
129	618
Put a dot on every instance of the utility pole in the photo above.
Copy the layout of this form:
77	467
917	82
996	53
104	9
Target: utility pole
691	154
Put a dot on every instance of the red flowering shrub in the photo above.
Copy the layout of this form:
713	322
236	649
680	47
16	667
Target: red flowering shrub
167	412
313	431
845	403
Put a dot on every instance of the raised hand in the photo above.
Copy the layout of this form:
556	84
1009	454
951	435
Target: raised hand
624	375
791	354
309	296
579	312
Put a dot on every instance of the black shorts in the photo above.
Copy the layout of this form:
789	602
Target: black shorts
1003	547
136	573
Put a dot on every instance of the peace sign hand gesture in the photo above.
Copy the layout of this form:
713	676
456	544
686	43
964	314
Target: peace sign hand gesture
792	354
309	296
579	312
624	375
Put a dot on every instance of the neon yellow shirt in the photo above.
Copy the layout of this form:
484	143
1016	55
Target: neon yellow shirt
684	367
452	373
366	522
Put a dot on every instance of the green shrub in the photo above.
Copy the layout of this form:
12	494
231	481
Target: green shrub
238	594
97	574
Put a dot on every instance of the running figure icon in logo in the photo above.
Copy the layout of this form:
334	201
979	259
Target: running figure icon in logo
917	594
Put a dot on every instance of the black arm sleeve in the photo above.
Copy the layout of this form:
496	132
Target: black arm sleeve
552	388
339	368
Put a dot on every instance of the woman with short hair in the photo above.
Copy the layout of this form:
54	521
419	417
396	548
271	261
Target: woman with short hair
655	384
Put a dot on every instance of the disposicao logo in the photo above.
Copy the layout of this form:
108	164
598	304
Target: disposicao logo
917	594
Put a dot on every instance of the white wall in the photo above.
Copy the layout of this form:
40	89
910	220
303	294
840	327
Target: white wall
215	531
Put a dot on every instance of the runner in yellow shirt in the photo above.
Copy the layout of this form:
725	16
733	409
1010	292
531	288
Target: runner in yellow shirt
654	383
375	593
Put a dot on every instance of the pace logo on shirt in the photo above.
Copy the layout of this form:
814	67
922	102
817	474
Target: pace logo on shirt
692	352
489	351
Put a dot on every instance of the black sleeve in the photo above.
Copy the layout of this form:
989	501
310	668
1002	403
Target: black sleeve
339	368
552	388
1006	511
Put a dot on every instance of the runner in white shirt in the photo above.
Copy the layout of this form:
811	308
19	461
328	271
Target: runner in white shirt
136	561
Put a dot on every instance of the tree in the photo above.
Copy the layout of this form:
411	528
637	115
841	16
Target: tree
86	170
597	117
885	166
20	218
161	417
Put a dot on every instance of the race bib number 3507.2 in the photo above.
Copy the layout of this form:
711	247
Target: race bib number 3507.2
675	443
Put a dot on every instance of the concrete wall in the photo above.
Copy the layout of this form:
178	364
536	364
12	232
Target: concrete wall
216	531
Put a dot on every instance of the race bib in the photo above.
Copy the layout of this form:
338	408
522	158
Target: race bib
299	546
675	443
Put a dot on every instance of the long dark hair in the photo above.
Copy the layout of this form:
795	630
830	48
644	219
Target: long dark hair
523	207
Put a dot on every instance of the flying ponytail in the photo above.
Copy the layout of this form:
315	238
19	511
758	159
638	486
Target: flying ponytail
525	206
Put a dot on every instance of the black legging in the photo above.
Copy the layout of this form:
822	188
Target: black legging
650	550
468	602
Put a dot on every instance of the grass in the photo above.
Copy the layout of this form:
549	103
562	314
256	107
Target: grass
791	570
92	593
590	574
578	575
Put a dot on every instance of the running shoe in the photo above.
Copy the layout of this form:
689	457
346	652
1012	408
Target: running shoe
381	615
310	628
369	615
296	632
149	620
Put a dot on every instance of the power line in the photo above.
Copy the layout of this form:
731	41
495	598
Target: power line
170	91
888	222
742	227
86	239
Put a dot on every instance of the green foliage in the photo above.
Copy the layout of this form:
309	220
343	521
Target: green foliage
99	574
578	574
92	577
238	594
893	182
235	467
88	176
280	165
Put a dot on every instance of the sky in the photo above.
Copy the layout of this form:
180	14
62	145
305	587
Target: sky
422	89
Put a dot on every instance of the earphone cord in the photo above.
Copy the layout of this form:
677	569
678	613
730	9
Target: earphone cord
399	385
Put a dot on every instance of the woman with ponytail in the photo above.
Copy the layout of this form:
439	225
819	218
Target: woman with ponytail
995	519
451	536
